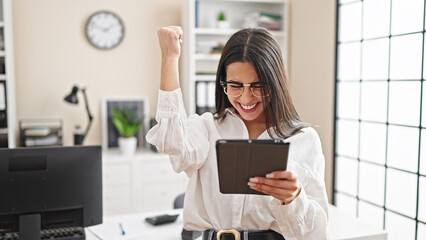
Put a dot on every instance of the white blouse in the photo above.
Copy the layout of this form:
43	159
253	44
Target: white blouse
190	143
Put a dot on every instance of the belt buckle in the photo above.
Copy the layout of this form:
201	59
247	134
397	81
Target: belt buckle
233	231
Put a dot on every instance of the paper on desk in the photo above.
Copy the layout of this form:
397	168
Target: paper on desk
111	230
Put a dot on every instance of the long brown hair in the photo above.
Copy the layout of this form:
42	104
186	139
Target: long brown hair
258	47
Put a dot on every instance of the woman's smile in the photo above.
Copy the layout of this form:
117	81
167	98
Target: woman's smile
248	108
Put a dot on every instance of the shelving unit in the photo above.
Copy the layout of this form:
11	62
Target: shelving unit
8	126
199	25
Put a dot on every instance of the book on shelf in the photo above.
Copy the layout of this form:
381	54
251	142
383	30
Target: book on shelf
2	96
205	100
3	109
4	142
196	13
206	73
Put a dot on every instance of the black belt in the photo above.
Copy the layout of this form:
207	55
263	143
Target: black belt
244	235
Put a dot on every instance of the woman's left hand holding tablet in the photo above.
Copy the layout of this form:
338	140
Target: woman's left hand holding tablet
283	185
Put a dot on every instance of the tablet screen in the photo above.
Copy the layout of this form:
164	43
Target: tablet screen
239	160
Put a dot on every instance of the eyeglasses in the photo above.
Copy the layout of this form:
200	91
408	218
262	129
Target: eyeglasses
236	89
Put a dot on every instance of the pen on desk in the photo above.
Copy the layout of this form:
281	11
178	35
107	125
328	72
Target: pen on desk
122	229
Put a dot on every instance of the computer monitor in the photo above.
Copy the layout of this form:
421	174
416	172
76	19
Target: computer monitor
42	188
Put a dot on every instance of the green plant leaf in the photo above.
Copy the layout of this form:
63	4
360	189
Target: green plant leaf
221	16
125	122
118	125
117	114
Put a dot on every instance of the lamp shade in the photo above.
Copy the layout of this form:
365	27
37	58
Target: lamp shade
72	97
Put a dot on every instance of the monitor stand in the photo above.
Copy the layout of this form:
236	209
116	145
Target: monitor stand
29	227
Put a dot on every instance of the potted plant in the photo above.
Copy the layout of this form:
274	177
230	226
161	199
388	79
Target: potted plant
222	22
127	125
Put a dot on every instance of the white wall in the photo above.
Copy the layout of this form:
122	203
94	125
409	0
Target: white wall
52	54
312	53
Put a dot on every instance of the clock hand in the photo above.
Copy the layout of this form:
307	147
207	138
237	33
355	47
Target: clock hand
109	27
98	27
104	29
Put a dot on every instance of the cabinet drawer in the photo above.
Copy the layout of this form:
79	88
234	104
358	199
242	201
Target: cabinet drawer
158	196
158	172
114	174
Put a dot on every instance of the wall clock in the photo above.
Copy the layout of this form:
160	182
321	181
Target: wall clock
104	30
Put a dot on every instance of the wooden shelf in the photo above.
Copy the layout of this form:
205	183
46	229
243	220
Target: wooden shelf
209	77
208	57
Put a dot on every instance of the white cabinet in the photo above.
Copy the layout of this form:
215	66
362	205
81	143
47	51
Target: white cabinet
158	183
138	183
117	184
201	32
7	79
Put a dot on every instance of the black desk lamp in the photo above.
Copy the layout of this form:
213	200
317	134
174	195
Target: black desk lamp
72	98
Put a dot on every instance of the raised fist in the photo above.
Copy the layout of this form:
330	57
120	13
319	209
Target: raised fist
170	39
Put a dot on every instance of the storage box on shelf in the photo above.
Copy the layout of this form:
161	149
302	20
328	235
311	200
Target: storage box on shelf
142	182
203	40
40	132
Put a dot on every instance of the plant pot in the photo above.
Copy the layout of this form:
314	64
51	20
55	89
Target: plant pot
223	24
127	145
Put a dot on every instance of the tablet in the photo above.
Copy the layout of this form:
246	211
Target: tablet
239	160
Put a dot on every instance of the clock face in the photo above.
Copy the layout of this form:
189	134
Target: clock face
104	30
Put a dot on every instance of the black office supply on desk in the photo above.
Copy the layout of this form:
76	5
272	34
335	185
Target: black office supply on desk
240	160
161	219
42	132
50	192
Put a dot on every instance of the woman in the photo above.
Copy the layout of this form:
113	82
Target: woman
252	101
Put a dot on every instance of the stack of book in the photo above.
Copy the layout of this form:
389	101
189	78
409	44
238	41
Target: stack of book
266	20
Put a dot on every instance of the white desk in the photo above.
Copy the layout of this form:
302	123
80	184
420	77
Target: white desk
341	227
345	227
136	227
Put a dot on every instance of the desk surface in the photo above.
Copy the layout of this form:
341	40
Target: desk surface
341	227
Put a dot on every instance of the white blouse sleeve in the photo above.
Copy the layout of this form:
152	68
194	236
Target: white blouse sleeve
184	138
306	216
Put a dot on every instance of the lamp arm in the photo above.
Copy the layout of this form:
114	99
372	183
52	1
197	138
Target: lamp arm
88	112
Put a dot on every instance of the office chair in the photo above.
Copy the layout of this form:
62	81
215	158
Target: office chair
178	203
186	235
